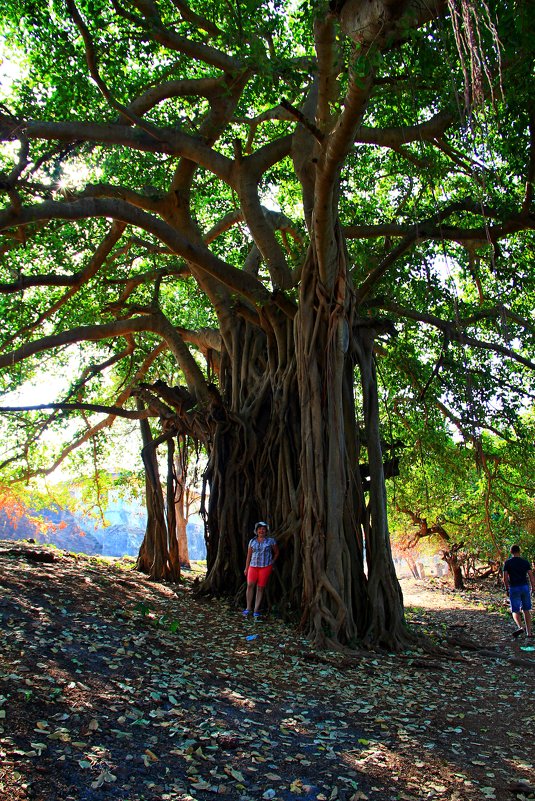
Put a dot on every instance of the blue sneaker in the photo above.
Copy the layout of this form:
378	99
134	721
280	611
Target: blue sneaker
245	613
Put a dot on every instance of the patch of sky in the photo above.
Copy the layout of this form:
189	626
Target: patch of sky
75	174
445	270
45	387
52	385
10	150
12	66
269	200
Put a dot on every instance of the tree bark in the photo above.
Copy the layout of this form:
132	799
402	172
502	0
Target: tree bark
451	557
334	593
385	599
155	557
287	450
181	501
182	535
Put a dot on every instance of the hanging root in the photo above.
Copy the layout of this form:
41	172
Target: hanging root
470	19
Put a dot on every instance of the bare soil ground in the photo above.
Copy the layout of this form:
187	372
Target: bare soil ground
114	687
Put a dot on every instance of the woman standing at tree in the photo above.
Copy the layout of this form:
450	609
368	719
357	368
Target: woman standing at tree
261	555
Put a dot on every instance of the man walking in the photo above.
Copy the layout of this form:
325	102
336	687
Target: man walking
519	580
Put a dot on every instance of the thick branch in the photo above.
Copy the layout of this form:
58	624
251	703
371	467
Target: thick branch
90	333
7	182
222	108
157	323
196	19
499	312
337	146
171	141
424	529
432	227
234	279
324	40
193	87
427	131
270	154
375	275
467	427
195	50
262	231
203	338
116	411
140	201
76	281
385	23
94	72
455	332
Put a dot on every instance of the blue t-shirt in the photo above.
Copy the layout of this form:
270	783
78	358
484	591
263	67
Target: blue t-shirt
262	551
517	569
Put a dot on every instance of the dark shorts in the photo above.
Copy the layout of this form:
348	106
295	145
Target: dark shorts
520	598
259	575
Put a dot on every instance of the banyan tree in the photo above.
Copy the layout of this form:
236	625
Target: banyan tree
264	214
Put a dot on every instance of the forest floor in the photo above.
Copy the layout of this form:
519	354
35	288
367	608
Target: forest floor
115	687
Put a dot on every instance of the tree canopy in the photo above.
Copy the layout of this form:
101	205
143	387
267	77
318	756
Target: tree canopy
245	218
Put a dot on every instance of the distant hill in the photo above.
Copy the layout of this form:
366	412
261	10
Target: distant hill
52	526
81	534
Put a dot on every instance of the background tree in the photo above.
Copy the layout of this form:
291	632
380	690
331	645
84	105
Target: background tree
187	481
470	510
263	197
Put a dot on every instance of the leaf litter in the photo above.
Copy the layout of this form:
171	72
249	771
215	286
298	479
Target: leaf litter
115	687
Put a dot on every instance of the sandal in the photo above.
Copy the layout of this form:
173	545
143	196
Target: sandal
245	612
257	614
517	633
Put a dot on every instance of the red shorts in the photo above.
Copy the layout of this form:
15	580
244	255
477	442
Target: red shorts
259	575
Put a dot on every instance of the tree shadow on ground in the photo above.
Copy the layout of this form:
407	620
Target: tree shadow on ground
102	698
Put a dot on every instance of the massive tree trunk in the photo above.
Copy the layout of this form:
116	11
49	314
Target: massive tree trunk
288	451
334	594
253	459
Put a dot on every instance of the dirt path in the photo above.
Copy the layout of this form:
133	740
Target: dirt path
113	687
481	613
